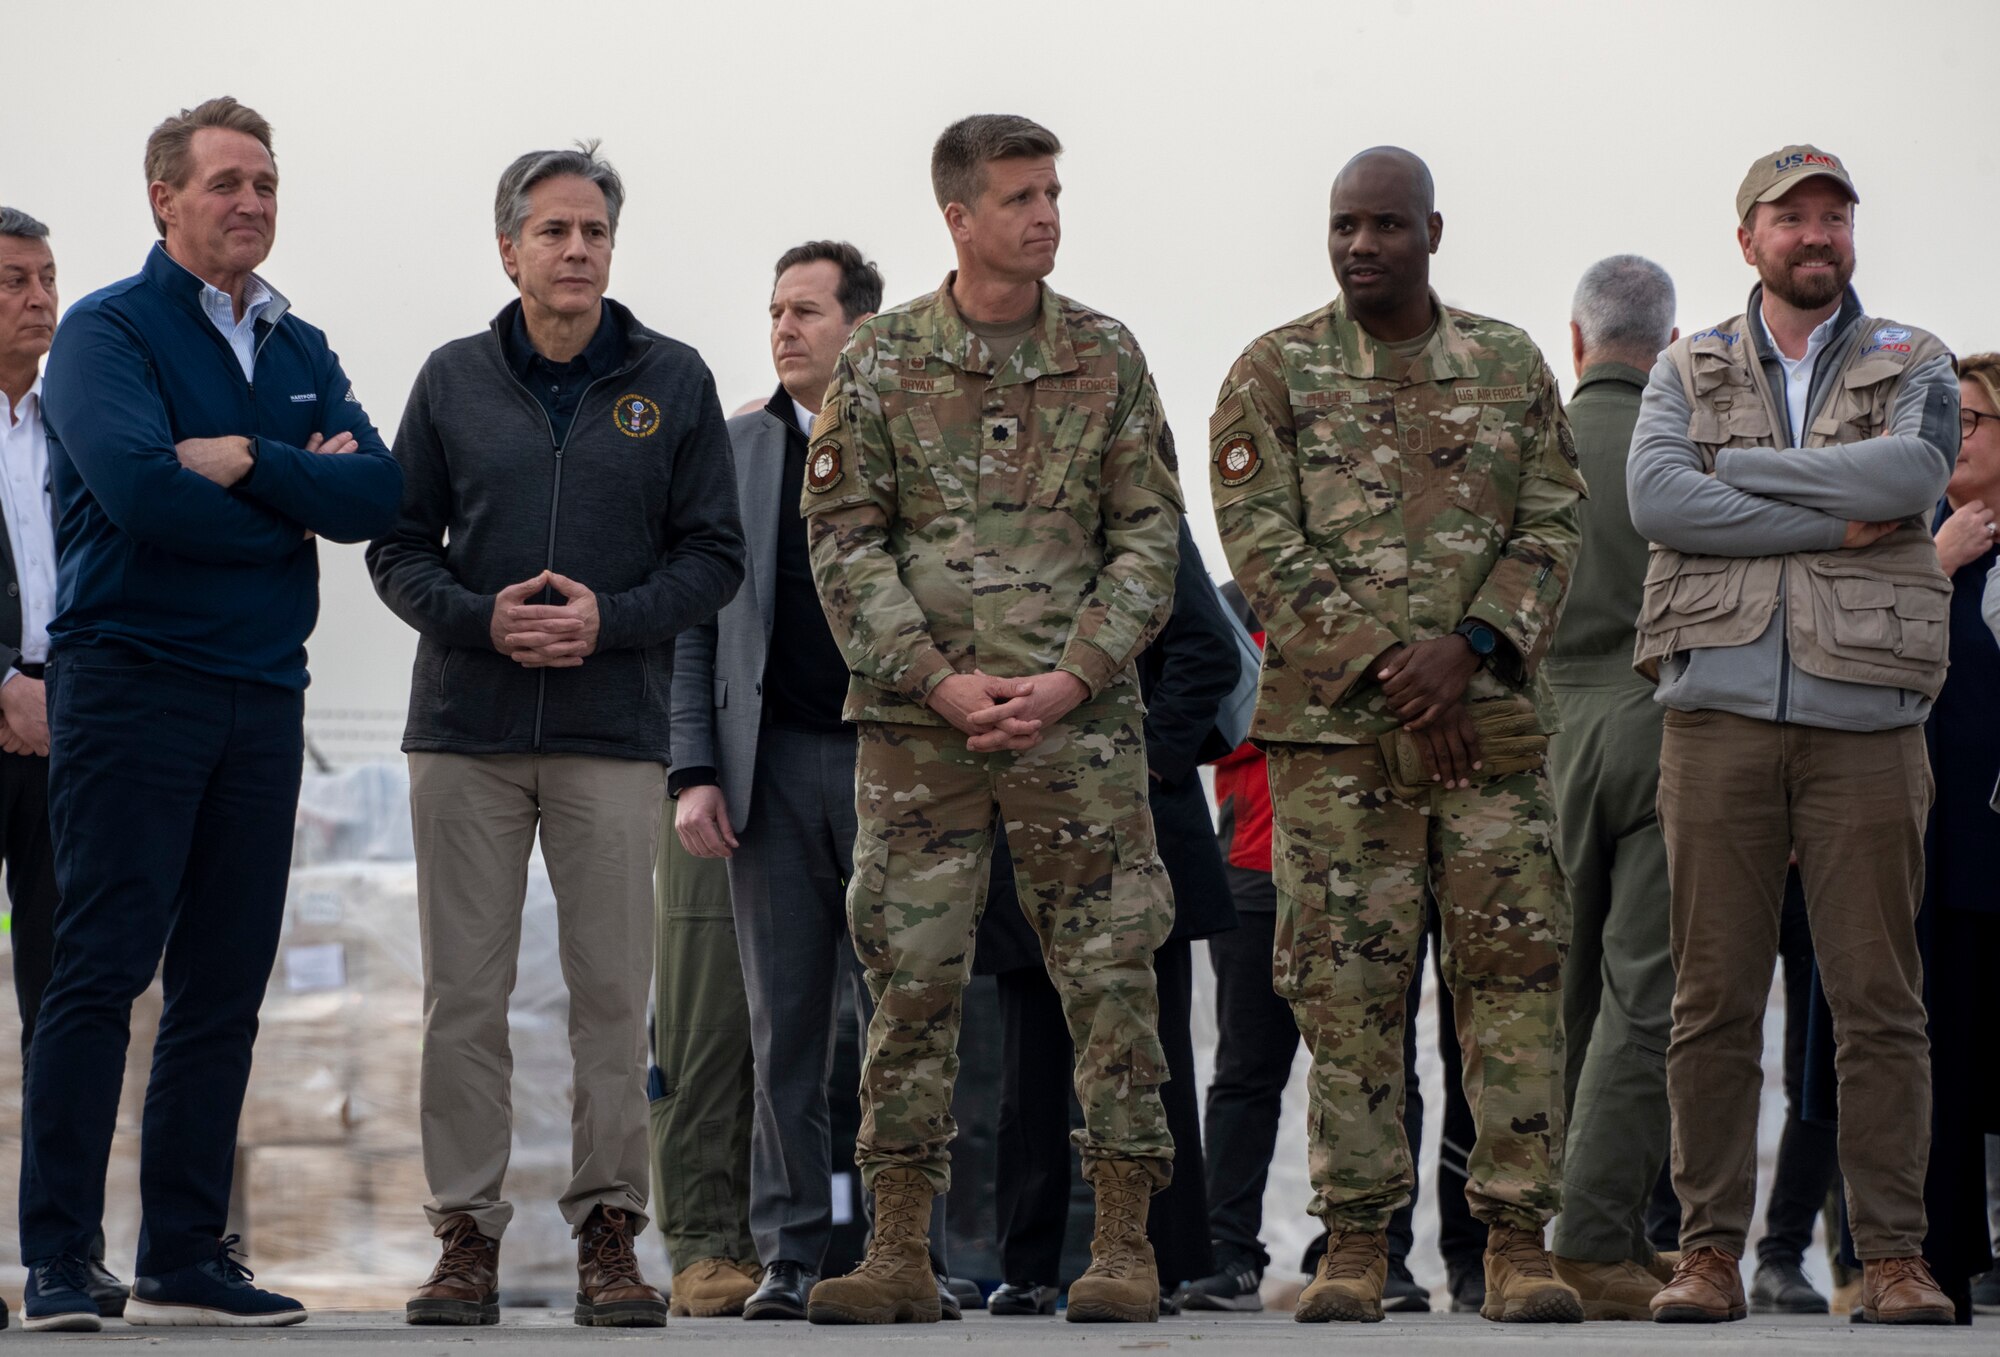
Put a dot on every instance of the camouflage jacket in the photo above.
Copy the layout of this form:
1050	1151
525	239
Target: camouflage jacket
1362	505
1017	522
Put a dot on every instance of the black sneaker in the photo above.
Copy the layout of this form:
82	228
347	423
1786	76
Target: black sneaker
216	1291
966	1291
1233	1286
56	1298
1011	1298
948	1306
104	1288
1780	1288
1170	1303
1467	1284
1986	1293
1401	1294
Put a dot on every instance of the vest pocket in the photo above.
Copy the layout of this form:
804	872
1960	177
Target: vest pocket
1682	590
1872	616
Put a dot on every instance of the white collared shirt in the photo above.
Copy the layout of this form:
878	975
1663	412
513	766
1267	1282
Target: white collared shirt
804	417
1799	371
241	334
24	496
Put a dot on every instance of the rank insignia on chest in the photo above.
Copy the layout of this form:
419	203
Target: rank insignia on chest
1001	431
636	416
823	467
1237	460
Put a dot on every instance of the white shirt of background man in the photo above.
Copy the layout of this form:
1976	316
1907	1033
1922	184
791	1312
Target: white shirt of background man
24	496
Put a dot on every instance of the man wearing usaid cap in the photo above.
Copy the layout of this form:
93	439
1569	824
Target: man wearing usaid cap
1794	619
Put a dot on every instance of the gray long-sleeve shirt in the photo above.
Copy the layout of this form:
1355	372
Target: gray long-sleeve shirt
1777	501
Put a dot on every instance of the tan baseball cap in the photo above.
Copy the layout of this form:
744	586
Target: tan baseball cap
1773	176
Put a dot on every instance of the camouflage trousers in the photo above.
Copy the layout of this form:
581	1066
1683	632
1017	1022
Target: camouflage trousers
1353	866
1091	883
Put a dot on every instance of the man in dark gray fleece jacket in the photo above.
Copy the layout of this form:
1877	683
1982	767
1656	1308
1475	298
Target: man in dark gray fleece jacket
569	507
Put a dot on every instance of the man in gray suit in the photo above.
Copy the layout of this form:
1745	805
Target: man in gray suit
763	773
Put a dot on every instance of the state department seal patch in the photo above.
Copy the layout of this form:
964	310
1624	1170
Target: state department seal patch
823	468
636	416
1237	460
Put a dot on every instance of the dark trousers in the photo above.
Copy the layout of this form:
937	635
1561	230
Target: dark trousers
1255	1043
1461	1239
1808	1155
1033	1175
171	801
31	881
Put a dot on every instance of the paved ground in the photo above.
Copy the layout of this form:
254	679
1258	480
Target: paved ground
336	1334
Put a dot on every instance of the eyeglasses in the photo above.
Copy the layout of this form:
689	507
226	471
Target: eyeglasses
1968	422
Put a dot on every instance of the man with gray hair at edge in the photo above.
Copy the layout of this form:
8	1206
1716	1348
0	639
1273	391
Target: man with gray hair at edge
1618	980
578	462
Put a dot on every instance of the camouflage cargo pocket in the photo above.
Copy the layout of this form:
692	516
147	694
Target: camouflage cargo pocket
1299	948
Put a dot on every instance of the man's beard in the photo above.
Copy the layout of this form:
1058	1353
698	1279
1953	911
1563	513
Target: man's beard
1813	291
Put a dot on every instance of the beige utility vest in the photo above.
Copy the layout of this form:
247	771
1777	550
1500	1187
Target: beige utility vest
1876	614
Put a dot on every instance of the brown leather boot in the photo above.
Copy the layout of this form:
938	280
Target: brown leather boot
1521	1282
610	1293
709	1287
1707	1289
1902	1291
894	1283
1348	1285
1621	1290
1122	1284
465	1285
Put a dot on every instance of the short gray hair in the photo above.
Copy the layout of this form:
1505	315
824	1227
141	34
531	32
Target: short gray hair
510	202
15	222
1624	303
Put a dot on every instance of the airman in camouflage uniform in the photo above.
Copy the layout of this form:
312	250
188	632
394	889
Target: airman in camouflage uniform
1007	527
1409	509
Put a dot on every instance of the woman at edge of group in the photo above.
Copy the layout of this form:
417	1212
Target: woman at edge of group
1959	925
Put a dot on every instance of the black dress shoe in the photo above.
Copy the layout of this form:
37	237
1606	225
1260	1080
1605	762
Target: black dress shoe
967	1293
1010	1299
948	1306
782	1294
1780	1288
109	1293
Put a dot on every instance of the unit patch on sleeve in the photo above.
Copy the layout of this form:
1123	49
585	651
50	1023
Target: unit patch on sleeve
823	466
1237	460
636	416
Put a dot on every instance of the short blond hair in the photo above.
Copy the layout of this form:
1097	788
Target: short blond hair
1983	368
170	149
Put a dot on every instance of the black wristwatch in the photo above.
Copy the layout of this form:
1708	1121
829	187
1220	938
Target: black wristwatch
1482	638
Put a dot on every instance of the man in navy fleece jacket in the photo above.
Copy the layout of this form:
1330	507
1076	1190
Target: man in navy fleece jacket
200	436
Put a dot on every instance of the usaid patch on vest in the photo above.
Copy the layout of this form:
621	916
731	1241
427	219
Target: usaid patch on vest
1488	395
636	416
1237	460
823	466
1889	339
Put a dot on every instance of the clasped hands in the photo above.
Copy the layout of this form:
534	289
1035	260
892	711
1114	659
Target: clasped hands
545	635
1425	684
1011	714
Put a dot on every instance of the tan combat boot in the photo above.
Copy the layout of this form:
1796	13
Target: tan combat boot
709	1287
894	1284
610	1293
1521	1283
1348	1285
1707	1289
1122	1285
1621	1290
1902	1291
465	1285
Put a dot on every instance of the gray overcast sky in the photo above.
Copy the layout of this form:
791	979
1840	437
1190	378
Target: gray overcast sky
1202	139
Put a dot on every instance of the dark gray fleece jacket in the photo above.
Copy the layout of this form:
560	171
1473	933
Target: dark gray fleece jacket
638	504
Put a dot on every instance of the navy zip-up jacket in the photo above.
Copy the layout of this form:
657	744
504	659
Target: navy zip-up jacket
152	555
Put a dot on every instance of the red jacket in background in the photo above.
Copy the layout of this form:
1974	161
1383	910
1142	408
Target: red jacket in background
1243	790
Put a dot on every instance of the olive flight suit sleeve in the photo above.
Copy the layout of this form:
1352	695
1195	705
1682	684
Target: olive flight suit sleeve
1523	593
1139	507
1324	632
849	501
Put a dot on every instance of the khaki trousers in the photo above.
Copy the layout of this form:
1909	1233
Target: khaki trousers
1737	796
475	819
